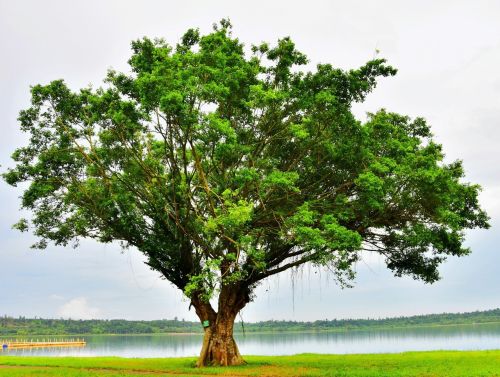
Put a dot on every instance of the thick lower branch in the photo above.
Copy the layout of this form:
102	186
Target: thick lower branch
203	309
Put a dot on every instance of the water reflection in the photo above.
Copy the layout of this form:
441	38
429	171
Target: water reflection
472	337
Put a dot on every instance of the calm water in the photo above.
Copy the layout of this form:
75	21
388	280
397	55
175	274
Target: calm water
473	337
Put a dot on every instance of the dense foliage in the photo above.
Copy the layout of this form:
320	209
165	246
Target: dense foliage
24	326
211	163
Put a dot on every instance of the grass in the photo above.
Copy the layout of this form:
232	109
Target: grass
408	364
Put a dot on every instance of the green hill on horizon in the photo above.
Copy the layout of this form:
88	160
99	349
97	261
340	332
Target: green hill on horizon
20	326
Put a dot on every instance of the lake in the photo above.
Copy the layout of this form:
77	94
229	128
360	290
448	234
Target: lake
466	337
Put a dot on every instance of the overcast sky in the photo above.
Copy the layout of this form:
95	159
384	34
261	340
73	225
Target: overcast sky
448	56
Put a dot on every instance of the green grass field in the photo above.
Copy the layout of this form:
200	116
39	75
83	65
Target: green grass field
409	364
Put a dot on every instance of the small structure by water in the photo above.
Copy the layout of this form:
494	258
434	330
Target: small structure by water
44	343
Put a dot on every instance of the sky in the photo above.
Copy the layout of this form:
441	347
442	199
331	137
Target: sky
448	57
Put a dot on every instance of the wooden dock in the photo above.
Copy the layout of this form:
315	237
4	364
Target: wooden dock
42	343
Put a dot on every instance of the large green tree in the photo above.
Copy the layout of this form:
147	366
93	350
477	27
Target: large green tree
224	167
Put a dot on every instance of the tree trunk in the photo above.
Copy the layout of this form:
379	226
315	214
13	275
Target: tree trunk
219	347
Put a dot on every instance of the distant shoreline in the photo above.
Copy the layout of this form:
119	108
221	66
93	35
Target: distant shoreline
239	332
23	327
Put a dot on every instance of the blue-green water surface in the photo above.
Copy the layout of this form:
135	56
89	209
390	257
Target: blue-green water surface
466	337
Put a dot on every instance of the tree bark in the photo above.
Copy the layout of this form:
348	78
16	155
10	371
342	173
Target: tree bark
219	347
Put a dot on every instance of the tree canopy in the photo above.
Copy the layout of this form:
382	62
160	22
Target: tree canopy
225	166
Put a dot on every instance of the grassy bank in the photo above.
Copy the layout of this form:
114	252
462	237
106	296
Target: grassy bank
409	364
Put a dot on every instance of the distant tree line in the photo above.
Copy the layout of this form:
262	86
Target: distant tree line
28	326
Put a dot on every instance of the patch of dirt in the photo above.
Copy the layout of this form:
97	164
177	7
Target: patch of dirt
139	371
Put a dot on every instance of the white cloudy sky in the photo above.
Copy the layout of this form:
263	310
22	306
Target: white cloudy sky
448	56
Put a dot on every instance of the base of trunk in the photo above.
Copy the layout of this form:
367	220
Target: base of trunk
219	350
219	347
